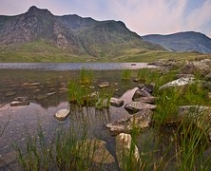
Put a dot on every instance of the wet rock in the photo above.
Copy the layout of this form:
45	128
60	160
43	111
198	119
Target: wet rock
179	82
34	84
21	98
150	100
41	97
104	84
62	114
140	93
149	88
126	150
96	150
134	107
19	103
10	93
51	93
116	102
140	121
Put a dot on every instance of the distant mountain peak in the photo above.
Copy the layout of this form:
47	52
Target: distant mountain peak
34	10
189	41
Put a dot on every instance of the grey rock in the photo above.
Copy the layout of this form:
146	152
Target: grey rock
19	103
199	68
104	84
62	114
134	106
126	150
140	93
116	102
97	151
179	82
184	75
140	121
150	100
10	93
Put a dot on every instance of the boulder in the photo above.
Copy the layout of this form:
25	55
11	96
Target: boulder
140	121
62	114
116	102
135	106
140	93
150	99
196	67
179	82
149	88
104	84
96	151
127	152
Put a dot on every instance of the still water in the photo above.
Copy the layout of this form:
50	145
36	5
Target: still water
35	81
74	66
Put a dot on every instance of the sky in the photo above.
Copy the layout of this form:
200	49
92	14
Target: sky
141	16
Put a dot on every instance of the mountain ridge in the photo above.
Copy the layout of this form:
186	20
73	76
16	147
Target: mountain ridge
188	41
70	33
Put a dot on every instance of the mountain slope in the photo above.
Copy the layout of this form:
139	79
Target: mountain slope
182	41
69	33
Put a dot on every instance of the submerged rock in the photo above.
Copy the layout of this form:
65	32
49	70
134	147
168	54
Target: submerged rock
10	93
135	106
19	103
179	82
140	121
96	150
62	114
104	84
116	102
127	152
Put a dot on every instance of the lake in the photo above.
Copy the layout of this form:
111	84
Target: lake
35	81
75	66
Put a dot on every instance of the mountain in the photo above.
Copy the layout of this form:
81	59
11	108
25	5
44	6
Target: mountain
38	30
182	41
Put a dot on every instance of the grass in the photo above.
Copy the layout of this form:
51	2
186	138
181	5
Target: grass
175	144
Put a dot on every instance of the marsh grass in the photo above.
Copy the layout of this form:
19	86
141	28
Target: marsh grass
126	74
178	144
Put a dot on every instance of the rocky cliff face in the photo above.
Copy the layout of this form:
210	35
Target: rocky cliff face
70	33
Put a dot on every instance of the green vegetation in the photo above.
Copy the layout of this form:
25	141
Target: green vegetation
174	143
44	51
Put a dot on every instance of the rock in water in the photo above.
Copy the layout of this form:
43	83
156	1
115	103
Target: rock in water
62	114
134	107
127	152
140	121
19	103
116	102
